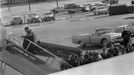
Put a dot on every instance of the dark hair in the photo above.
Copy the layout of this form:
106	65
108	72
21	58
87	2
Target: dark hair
26	28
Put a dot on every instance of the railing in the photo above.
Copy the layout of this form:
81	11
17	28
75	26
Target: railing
18	40
3	68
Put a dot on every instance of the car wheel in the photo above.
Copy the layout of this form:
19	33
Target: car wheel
83	10
104	42
54	11
82	45
94	13
20	22
106	12
12	23
43	20
28	21
53	19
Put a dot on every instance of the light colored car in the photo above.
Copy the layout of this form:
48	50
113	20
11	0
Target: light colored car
101	37
48	17
69	8
16	20
57	10
128	27
33	18
101	10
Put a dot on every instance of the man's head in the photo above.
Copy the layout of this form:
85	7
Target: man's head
27	30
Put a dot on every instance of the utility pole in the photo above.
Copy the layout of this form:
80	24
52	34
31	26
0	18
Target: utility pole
8	5
29	5
57	3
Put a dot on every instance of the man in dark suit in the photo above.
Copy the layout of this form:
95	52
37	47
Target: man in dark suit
30	36
126	36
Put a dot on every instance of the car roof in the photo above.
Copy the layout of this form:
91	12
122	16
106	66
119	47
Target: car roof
33	14
104	28
48	13
17	16
122	26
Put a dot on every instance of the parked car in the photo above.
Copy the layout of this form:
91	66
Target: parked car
128	27
74	8
101	10
33	18
48	17
16	20
57	10
95	5
101	37
69	8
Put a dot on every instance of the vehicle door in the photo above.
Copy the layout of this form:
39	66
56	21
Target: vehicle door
16	20
95	39
86	39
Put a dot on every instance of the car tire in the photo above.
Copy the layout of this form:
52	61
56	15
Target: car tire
43	20
95	13
82	45
12	23
28	21
83	10
53	19
104	42
20	22
54	11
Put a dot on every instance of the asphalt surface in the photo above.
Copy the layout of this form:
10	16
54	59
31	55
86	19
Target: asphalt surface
60	32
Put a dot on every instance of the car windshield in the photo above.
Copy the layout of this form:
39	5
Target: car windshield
32	15
103	31
15	18
48	14
102	7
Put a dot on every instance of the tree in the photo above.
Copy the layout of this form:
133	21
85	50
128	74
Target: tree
29	5
57	3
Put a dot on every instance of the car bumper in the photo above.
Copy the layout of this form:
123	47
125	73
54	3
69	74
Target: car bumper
117	40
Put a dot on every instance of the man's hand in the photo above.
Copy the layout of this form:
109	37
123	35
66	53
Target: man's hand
22	36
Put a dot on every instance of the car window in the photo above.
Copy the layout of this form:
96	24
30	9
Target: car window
16	18
103	31
102	8
32	15
48	14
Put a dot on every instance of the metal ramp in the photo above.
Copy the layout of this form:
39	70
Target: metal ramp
25	62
